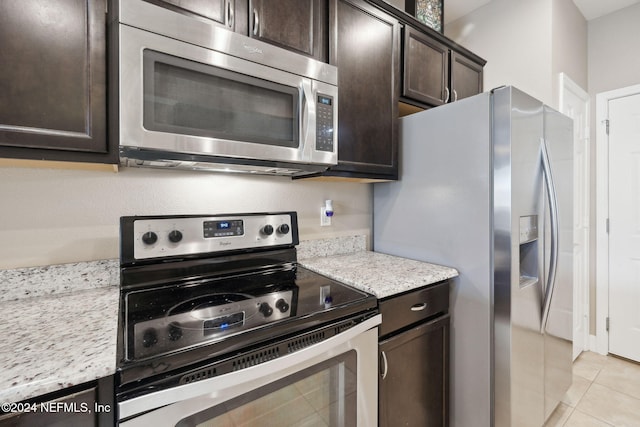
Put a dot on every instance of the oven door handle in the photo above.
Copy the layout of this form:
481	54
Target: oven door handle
216	385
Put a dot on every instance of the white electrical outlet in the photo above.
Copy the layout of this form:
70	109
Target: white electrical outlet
324	219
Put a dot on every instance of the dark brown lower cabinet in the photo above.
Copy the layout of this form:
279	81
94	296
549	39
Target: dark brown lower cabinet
414	373
86	405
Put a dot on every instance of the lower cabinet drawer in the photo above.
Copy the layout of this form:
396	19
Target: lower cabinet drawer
404	310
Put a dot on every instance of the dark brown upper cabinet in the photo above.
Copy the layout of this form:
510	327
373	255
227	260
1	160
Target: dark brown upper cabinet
53	102
366	49
230	14
425	68
466	76
297	25
434	73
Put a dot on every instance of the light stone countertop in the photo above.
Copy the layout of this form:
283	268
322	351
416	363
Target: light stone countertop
379	274
59	323
58	326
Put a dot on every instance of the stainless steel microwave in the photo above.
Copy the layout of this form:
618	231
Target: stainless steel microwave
192	95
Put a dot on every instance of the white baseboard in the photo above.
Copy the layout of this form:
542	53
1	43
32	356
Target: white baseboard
593	346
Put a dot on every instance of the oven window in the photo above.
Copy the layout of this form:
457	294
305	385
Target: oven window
323	395
190	98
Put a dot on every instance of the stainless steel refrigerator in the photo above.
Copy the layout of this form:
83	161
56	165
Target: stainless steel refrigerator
487	187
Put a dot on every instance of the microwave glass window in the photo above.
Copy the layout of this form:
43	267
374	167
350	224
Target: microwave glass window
190	98
322	395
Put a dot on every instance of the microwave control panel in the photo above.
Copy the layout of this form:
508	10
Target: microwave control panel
324	123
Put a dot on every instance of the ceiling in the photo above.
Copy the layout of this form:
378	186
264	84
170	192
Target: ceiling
591	9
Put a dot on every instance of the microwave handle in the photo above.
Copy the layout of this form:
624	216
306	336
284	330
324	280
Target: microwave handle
230	13
307	109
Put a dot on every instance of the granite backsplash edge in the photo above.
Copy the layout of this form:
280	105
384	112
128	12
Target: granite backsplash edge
29	282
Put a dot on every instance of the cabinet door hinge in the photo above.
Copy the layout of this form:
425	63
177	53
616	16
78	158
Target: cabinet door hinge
606	124
607	225
607	324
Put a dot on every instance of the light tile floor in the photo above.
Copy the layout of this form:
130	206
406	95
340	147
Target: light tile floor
605	392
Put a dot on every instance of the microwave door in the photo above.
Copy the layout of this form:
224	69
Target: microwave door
188	98
181	98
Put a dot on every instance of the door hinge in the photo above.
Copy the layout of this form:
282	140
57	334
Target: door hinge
607	324
606	124
607	225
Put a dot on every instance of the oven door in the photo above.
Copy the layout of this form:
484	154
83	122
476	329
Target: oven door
332	383
186	101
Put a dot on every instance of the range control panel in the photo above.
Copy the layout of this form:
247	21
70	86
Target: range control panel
156	237
175	331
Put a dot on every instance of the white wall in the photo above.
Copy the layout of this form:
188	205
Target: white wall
50	216
515	39
569	46
526	43
614	47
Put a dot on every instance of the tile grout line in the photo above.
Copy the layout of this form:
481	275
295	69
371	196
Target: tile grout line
613	389
585	393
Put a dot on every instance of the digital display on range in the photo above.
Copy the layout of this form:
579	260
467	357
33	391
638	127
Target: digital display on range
223	228
222	323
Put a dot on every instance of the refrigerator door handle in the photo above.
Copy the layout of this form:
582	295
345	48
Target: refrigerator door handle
553	216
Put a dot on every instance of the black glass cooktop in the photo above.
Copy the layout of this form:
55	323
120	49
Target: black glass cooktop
199	312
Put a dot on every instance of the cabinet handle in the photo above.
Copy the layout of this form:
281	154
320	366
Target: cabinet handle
446	99
455	95
419	307
230	14
256	22
385	364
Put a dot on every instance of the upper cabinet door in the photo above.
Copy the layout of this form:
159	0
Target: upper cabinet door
297	25
426	68
466	77
366	50
53	81
230	14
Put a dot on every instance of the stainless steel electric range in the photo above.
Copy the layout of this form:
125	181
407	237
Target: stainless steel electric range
218	318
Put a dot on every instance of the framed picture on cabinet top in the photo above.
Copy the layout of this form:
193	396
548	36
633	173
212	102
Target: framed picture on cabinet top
429	12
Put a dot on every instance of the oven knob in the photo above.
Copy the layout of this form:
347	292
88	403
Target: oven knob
265	309
282	305
149	338
267	230
175	236
283	229
149	238
175	331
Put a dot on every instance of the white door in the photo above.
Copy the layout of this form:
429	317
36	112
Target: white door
574	102
624	229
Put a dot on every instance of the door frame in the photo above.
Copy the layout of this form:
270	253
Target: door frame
567	85
602	212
